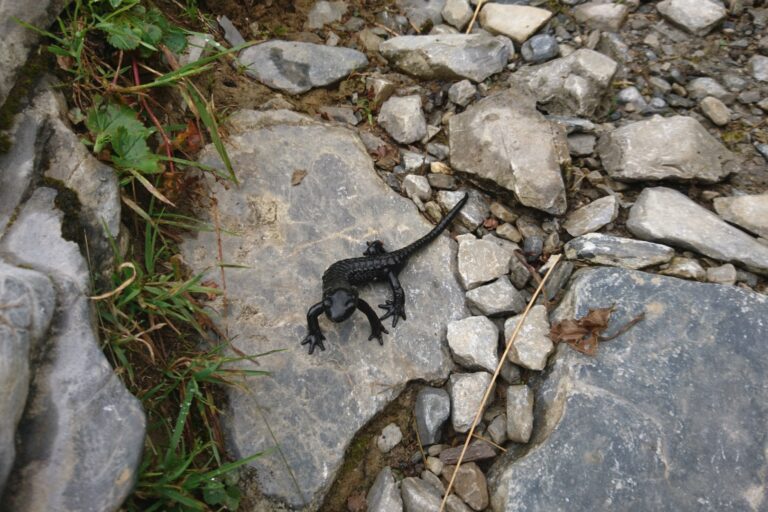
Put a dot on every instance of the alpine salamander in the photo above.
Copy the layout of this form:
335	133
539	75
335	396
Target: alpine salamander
340	281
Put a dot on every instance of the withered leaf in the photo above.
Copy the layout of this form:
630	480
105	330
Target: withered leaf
583	334
491	223
298	176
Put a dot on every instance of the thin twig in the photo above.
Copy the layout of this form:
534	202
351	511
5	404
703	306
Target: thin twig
469	27
554	261
476	436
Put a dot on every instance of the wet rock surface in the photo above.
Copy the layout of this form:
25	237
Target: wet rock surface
292	234
634	426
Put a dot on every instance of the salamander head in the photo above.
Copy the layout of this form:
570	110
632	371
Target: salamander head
340	304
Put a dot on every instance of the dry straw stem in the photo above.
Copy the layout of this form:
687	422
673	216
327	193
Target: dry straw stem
554	261
469	29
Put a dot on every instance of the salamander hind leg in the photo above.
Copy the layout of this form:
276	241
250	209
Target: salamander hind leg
377	328
395	307
315	337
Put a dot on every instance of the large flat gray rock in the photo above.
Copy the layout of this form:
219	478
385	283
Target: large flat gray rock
669	416
81	437
672	148
296	67
447	56
664	215
286	236
502	141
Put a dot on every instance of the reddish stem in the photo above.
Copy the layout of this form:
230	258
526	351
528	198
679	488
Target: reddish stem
160	130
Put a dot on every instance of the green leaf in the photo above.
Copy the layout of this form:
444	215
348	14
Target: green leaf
121	35
115	3
131	152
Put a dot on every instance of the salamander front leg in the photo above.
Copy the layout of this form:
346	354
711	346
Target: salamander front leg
377	328
315	337
395	308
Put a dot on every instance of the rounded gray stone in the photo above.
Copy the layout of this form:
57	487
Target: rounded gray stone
540	48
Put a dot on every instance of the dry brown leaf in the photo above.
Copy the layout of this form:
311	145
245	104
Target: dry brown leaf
298	176
583	334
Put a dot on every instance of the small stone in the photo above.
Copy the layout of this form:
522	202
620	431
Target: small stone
323	13
503	213
510	373
461	93
419	496
518	22
477	450
435	465
519	413
442	181
509	232
474	212
422	13
467	391
532	345
518	272
432	409
384	496
685	268
403	119
369	40
470	485
457	13
593	216
540	48
715	110
389	438
581	144
557	279
601	16
474	342
758	67
417	186
435	450
340	114
434	481
724	274
698	17
704	86
481	261
750	212
497	429
497	298
231	34
379	89
454	504
616	251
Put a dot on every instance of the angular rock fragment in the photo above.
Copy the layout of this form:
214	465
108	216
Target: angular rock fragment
504	141
660	148
601	16
572	86
403	119
433	407
457	13
323	13
686	268
470	486
481	261
698	17
496	298
447	56
519	413
466	390
532	345
477	450
518	22
617	251
593	216
419	496
422	13
474	342
749	212
384	496
664	215
296	67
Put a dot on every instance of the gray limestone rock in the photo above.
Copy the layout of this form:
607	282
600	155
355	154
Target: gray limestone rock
457	13
474	212
664	215
432	410
703	86
724	274
417	187
466	390
532	345
518	22
481	261
519	413
285	237
390	437
660	148
296	67
470	486
27	302
384	496
572	86
474	343
698	17
323	13
607	17
461	93
750	212
454	504
419	495
593	216
447	56
81	436
686	268
617	251
758	67
581	144
503	141
497	429
715	110
644	424
17	41
423	12
496	298
540	48
403	119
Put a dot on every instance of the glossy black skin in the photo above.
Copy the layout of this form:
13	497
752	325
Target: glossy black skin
340	281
